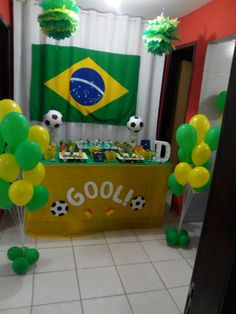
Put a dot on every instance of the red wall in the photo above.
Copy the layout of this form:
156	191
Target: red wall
213	21
6	11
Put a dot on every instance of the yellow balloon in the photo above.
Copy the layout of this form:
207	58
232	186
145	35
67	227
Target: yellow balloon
21	192
39	135
7	106
36	175
182	172
201	124
9	168
198	177
201	154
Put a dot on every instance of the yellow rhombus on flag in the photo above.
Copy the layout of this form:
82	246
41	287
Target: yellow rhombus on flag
62	84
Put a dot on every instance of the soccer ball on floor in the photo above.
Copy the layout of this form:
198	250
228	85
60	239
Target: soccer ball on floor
137	203
53	119
135	124
59	208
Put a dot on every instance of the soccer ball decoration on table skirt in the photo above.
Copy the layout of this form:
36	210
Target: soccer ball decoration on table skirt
160	34
59	208
60	18
196	140
21	172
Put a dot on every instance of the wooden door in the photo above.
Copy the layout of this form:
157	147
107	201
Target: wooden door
181	105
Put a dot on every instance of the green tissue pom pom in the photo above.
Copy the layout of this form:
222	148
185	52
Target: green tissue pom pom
172	238
14	252
53	4
183	240
20	266
60	18
32	256
159	35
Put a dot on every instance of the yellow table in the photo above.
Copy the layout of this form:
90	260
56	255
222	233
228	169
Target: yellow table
86	198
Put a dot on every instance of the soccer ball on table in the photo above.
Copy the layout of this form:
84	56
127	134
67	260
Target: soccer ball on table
53	119
135	124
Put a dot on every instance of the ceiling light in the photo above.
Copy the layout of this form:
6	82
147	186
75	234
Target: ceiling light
113	3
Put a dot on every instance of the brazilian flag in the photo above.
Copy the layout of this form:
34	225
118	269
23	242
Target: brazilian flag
84	85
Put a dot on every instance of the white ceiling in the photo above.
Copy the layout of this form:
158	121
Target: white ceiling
147	9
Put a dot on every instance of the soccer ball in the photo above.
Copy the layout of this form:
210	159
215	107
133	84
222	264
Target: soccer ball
137	203
53	119
135	124
59	208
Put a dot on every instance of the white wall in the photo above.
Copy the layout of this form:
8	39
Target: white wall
215	79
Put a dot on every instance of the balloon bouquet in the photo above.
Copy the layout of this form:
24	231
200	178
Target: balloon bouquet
196	141
21	174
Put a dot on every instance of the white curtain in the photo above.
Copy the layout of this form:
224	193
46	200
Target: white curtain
99	31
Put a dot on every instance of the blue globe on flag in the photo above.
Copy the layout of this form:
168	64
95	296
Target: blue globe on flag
87	86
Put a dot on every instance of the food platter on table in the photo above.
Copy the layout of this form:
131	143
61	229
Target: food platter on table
74	156
129	159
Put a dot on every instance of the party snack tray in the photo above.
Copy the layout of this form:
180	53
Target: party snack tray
129	159
73	156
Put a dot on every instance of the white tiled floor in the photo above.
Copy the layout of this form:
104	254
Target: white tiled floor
115	272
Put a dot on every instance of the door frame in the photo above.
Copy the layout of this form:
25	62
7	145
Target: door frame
166	74
6	54
213	283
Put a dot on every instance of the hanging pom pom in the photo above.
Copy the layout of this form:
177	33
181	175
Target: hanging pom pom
60	18
159	35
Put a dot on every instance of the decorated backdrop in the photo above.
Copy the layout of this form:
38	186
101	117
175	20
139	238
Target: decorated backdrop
101	32
84	85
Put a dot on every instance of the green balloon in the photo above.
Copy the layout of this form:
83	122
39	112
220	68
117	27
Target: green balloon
171	230
14	128
20	266
184	157
28	154
204	187
186	137
24	249
183	240
14	252
2	144
176	188
172	238
5	202
221	100
183	232
212	137
39	199
207	164
32	256
10	150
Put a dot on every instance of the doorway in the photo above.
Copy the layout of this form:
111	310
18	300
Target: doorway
175	92
6	61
